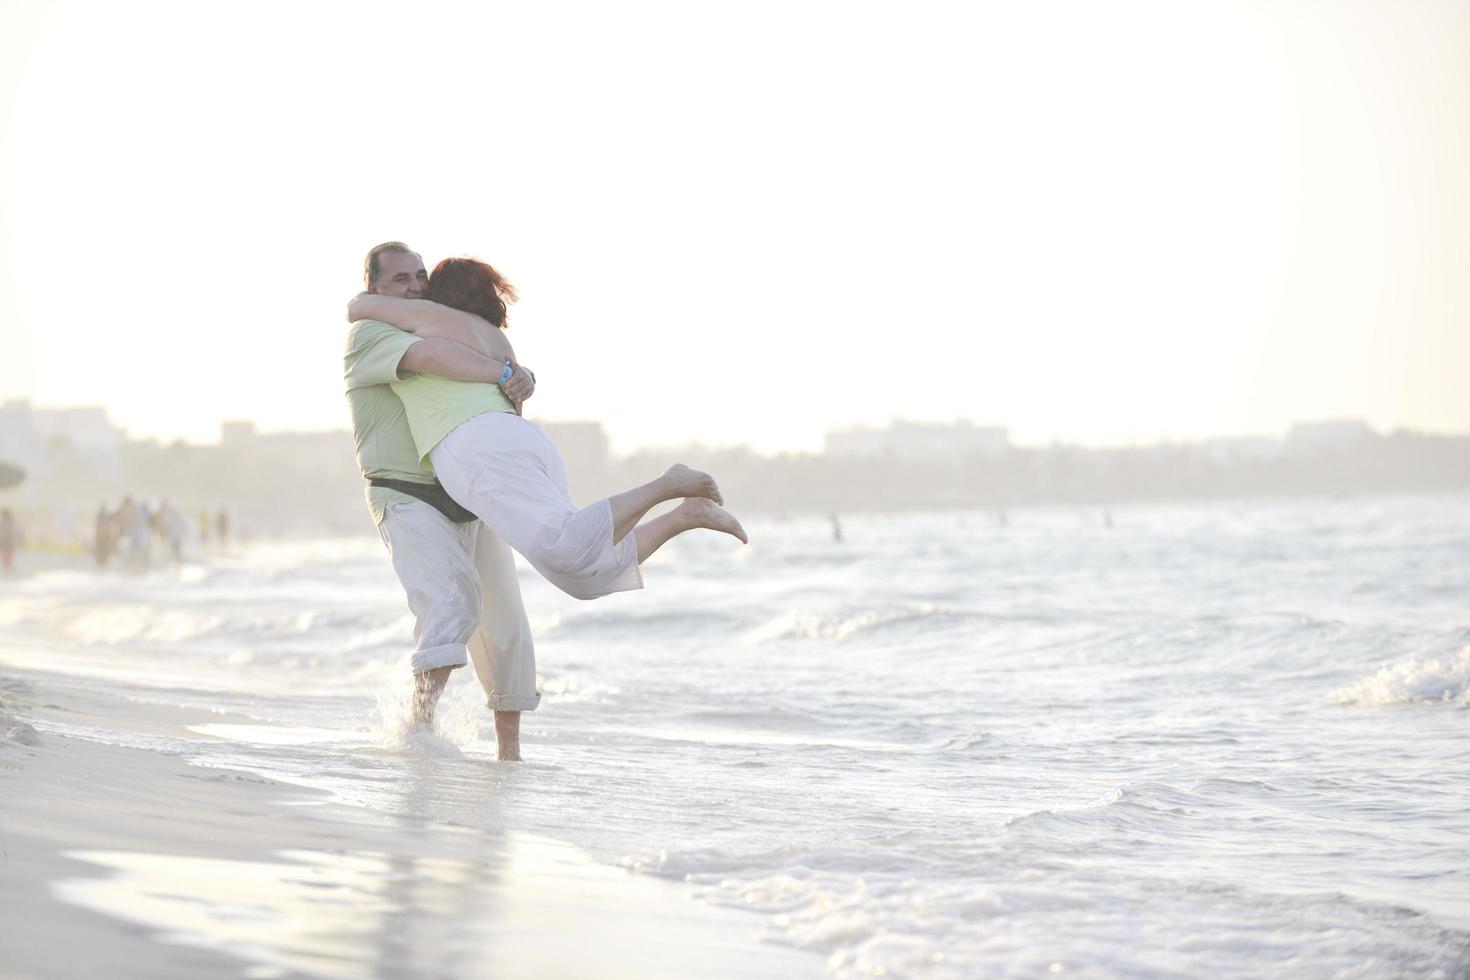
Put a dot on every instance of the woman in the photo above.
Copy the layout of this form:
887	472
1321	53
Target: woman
504	468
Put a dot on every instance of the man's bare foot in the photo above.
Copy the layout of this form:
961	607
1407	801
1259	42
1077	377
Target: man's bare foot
426	690
683	481
702	513
508	736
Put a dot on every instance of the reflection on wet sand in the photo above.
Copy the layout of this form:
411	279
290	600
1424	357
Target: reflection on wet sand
507	912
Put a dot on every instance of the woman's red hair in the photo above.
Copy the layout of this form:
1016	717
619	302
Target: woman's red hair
472	286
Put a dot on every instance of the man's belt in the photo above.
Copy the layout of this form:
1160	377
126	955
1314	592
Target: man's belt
432	494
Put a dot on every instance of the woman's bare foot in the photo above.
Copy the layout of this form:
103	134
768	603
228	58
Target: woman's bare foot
682	481
698	512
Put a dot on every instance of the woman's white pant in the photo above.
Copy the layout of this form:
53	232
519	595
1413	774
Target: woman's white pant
506	470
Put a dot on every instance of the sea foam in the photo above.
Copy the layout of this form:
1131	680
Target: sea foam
1414	680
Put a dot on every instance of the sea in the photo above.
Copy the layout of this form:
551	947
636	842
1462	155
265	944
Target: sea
1222	739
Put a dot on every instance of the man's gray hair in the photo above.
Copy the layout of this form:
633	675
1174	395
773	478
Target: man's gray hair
370	264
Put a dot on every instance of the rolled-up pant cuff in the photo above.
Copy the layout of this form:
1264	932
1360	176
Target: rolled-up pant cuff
445	655
514	702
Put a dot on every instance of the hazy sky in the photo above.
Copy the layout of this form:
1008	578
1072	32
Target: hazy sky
746	223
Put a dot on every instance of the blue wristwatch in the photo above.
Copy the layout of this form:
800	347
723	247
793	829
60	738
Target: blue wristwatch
505	375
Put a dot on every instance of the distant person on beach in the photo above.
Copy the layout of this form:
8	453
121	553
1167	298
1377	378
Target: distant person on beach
503	467
459	576
10	539
104	535
172	527
135	532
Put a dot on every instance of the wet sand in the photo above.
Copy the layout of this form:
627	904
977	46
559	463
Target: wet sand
122	859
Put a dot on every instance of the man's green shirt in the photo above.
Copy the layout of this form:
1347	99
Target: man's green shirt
385	445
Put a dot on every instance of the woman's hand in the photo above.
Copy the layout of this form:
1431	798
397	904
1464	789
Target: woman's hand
354	308
520	386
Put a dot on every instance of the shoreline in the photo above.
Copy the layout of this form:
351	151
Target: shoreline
131	861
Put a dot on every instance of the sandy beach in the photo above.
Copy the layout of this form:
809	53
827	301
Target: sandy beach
123	859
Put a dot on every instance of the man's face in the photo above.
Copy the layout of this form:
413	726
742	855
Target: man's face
401	274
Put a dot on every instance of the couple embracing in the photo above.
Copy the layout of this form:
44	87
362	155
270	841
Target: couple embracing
458	478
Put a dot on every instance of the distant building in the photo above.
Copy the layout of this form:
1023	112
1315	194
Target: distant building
1235	449
583	442
236	434
323	451
585	451
1330	435
47	441
919	441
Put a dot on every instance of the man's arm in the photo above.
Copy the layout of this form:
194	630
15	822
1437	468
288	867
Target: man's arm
447	359
426	319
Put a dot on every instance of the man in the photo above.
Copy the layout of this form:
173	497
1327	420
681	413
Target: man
460	578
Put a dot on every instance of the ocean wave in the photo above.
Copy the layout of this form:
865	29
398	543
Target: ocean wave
575	690
759	718
714	864
875	910
1122	815
1416	680
969	742
660	622
843	625
111	625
